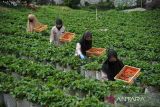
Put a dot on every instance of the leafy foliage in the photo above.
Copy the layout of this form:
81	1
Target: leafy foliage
135	36
72	3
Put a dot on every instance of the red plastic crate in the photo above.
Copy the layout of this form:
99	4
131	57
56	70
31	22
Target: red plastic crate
40	28
67	37
128	74
96	51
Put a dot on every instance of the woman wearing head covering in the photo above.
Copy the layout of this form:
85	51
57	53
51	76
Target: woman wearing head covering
32	23
112	65
56	32
84	44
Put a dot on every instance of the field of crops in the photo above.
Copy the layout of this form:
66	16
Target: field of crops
35	70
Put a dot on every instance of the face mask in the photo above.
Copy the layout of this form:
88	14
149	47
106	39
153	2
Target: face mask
59	27
113	62
30	20
88	38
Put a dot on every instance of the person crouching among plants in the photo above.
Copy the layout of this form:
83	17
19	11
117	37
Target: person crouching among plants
56	32
112	66
32	23
83	45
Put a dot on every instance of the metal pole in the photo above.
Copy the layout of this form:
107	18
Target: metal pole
96	14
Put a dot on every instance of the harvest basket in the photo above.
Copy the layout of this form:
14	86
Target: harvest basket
95	51
128	74
67	37
40	28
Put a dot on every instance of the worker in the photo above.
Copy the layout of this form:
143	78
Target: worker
56	32
83	45
32	22
112	66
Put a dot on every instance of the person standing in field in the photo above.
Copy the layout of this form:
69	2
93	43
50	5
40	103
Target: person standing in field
112	66
32	23
56	32
83	45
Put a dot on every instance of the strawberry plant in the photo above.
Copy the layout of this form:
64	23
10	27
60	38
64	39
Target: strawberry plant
135	37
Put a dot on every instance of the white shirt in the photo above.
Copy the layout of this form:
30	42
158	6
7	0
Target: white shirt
55	34
78	49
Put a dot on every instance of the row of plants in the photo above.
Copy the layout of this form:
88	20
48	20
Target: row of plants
37	92
35	50
108	19
74	62
49	52
70	80
26	67
150	51
148	55
121	17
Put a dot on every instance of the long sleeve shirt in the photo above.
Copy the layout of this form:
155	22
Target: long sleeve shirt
55	34
78	49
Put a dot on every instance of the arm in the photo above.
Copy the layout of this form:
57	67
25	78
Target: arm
52	35
121	64
63	30
104	71
29	27
78	49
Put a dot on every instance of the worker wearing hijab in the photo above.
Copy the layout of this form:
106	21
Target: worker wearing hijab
57	31
112	65
32	22
84	44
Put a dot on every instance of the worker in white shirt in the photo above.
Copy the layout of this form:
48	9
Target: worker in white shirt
56	32
83	45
